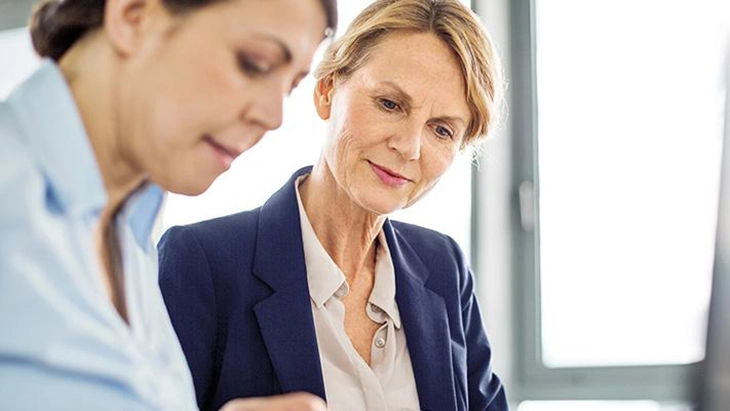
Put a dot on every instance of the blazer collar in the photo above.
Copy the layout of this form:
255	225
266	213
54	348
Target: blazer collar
426	325
286	321
285	317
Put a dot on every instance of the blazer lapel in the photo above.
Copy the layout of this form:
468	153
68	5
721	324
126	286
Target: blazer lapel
426	326
285	318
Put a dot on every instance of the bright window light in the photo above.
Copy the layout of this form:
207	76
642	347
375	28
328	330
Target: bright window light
630	99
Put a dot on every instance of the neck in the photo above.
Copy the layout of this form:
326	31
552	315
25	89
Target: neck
347	231
96	94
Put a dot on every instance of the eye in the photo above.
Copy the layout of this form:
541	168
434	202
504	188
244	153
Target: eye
444	132
389	105
251	67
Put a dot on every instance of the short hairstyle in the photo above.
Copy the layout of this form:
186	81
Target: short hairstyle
455	24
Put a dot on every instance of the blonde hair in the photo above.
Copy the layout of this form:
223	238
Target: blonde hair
455	24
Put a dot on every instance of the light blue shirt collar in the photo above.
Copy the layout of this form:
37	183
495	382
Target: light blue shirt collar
48	114
55	132
140	213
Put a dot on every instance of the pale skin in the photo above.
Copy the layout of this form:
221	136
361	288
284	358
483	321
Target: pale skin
404	111
174	99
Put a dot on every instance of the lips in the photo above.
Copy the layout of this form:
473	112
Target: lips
225	154
388	176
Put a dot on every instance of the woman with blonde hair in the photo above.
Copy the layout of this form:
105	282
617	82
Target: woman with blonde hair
318	290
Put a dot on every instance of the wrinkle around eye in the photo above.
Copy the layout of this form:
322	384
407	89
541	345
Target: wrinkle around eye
383	103
448	134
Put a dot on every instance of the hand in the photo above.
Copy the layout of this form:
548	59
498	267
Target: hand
287	402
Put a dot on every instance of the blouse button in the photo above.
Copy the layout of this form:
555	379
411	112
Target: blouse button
380	342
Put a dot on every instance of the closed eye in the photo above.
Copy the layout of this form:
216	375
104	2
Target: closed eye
251	67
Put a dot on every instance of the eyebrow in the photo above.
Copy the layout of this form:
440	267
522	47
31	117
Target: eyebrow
452	119
400	93
408	101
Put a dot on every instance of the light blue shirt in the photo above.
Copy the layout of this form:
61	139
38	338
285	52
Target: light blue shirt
63	346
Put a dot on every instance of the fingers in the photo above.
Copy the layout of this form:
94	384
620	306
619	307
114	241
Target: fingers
287	402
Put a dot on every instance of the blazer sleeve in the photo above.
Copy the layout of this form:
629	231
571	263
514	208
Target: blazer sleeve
187	288
485	388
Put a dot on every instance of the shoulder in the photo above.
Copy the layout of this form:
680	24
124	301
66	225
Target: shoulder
220	248
11	135
436	258
430	245
213	236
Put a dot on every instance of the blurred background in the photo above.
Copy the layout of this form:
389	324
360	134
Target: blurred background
590	216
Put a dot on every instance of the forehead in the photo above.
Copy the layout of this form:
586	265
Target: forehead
419	63
297	24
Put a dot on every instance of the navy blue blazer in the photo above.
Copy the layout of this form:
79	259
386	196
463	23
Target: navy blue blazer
236	290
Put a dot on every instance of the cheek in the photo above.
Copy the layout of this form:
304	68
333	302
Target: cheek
200	81
435	161
342	141
358	132
174	114
337	154
433	165
189	171
444	156
171	98
164	136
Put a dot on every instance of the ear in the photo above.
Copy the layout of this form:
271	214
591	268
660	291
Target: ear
323	96
125	21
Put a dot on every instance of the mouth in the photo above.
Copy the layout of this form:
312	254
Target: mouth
225	154
388	176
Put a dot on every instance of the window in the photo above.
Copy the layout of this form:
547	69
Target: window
640	114
626	103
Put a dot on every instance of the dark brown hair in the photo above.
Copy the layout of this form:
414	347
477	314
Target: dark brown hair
57	24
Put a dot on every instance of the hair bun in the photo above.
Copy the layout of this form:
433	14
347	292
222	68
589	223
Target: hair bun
56	24
41	26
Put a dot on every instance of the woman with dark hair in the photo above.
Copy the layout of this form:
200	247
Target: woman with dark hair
136	97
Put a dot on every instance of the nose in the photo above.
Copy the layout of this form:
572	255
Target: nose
407	141
267	108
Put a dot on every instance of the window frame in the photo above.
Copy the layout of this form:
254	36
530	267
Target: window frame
663	383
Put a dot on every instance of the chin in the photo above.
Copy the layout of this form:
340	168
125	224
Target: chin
194	191
189	188
382	206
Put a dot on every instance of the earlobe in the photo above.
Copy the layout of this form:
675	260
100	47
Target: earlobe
125	21
323	96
